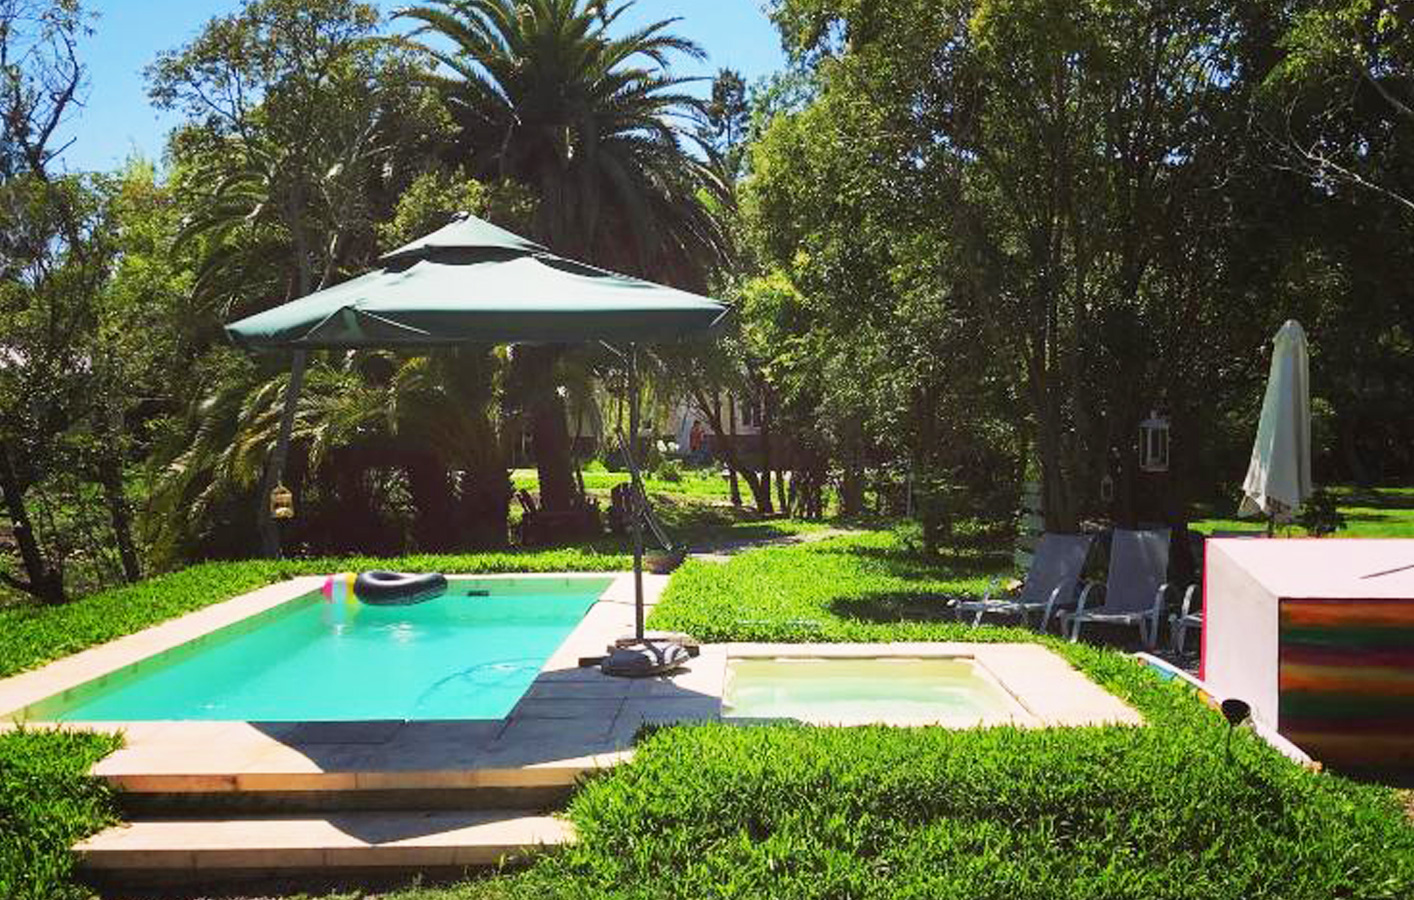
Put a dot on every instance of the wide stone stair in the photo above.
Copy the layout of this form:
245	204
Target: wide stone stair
359	806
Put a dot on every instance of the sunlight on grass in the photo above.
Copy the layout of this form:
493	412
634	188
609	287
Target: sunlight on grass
1369	513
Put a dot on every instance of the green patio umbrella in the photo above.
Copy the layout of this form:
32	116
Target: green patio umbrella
472	282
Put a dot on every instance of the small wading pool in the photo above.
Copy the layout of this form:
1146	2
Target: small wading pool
947	690
469	654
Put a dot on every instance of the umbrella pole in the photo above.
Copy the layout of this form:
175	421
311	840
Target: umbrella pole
636	516
275	471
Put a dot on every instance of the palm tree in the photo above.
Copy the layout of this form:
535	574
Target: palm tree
543	95
370	424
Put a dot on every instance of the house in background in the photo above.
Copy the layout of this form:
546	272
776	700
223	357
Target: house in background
747	425
588	432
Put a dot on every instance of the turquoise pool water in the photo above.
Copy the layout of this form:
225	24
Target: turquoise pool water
460	656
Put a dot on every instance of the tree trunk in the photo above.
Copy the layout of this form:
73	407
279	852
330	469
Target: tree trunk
1350	449
781	502
110	476
301	240
763	497
435	527
485	510
1057	501
852	485
45	582
548	427
852	488
714	420
731	457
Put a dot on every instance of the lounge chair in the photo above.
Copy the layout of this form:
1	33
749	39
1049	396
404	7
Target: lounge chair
1186	618
1049	586
1190	615
1135	589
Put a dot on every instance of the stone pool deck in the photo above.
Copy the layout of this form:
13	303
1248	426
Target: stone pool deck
208	800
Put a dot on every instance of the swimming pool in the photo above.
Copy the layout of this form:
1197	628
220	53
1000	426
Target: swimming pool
469	654
945	690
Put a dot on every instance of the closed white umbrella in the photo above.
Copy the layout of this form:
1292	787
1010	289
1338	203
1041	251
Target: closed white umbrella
1279	476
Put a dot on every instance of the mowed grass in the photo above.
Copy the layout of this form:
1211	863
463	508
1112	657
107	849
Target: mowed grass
701	484
1369	513
863	588
1103	813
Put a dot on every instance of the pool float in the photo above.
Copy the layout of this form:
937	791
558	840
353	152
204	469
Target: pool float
338	587
340	605
379	588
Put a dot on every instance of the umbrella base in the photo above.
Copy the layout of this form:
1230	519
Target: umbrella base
644	659
688	642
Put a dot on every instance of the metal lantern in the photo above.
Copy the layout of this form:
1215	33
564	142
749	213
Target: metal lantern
1154	443
1107	488
282	503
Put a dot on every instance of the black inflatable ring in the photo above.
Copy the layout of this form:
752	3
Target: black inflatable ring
379	588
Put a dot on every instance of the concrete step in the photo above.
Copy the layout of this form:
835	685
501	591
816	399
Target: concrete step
184	850
199	804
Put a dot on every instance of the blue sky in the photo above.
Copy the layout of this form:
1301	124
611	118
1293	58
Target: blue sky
117	121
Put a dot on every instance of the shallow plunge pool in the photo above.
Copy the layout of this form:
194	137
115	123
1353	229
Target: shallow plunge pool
946	690
468	654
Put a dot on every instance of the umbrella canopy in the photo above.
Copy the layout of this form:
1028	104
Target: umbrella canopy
471	282
1279	476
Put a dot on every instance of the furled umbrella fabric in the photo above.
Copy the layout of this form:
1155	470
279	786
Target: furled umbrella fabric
1279	476
472	282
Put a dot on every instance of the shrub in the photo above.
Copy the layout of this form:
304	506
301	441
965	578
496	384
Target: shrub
47	802
1320	515
667	470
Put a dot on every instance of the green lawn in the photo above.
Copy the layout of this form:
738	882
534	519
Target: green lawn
1369	513
697	483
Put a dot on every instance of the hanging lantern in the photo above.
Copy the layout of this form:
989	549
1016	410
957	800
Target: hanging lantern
1107	488
1154	443
282	503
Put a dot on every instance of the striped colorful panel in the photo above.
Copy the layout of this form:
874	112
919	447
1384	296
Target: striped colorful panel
1347	679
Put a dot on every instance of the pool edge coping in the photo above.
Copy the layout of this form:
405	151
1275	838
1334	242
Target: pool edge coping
1050	691
25	689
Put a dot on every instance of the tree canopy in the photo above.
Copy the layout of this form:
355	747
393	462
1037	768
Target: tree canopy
969	243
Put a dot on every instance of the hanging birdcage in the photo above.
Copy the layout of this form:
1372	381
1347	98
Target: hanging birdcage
282	503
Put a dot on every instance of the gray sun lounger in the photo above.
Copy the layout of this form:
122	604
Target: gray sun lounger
1190	615
1135	589
1050	583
